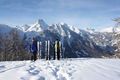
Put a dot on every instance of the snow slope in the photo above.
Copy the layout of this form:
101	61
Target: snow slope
68	69
108	29
39	26
111	29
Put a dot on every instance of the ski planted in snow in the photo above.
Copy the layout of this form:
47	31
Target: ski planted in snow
39	50
58	50
47	50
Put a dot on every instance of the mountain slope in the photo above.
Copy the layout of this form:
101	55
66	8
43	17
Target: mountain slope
69	36
75	42
40	25
5	28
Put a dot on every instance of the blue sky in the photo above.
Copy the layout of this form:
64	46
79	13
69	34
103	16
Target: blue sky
80	13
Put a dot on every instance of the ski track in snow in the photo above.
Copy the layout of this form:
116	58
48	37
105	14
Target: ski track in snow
67	69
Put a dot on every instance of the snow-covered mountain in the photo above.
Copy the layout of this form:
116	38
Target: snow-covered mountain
5	28
40	25
115	29
75	42
90	30
82	40
25	27
108	29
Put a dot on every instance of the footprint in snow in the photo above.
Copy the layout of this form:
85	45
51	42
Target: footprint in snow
41	78
33	70
2	66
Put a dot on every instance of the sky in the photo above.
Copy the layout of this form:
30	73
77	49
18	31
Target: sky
95	14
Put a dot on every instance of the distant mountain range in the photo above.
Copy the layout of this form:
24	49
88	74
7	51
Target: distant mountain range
75	42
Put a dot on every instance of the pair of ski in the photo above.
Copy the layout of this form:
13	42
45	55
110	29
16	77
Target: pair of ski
57	50
47	50
39	49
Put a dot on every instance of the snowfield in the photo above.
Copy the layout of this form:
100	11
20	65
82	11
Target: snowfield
67	69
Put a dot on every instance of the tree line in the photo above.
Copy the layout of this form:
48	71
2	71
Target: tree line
12	47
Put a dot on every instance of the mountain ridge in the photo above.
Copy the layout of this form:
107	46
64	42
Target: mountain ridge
76	42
